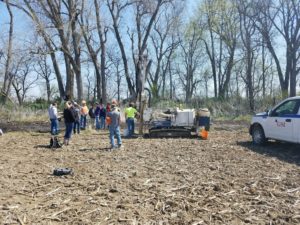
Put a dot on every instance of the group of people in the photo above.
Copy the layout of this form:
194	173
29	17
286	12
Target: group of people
97	113
101	117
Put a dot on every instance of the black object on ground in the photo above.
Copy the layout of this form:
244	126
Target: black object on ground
62	171
55	142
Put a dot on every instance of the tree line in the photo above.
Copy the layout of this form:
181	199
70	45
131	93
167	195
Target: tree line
98	48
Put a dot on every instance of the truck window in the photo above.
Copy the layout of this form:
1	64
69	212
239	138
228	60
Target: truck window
287	108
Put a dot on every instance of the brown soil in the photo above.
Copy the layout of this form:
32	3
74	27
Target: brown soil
222	180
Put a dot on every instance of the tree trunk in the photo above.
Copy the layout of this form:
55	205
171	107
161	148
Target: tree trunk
75	58
115	18
103	74
225	84
70	78
263	71
48	89
171	81
7	74
18	92
102	36
56	69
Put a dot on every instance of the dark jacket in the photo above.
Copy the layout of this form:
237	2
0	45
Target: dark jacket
92	113
69	116
102	112
97	111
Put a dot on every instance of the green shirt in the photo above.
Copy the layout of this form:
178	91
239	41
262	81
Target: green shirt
130	112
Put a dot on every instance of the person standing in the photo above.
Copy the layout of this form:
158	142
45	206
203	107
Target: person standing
130	113
52	111
76	112
107	111
102	116
69	121
114	126
97	116
83	114
108	107
92	115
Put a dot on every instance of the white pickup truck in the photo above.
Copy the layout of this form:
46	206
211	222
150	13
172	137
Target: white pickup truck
280	123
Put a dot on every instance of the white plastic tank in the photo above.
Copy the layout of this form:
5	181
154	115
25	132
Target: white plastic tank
147	114
184	117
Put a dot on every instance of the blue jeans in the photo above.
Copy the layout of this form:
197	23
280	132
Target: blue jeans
76	127
98	126
130	126
54	126
102	122
69	129
112	132
83	121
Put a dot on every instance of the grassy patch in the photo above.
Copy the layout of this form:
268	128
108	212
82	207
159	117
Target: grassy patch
240	118
21	114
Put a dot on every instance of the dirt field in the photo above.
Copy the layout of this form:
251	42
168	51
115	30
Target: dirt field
222	180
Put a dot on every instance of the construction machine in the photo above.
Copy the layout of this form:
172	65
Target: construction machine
178	122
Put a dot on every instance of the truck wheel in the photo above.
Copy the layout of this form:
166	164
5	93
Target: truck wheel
258	135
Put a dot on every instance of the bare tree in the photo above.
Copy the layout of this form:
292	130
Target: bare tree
209	42
144	8
44	71
116	8
8	75
164	45
220	20
65	24
282	16
23	80
102	34
191	57
29	9
95	46
91	85
247	31
117	70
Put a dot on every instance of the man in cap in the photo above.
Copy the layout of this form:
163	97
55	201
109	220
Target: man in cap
114	126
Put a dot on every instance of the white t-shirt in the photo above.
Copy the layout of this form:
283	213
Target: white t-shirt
52	111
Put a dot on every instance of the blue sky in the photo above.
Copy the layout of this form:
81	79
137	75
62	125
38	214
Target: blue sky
22	22
21	19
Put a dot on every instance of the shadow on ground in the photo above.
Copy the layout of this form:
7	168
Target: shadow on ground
94	149
42	146
283	151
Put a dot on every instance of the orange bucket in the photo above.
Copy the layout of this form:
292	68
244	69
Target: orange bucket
108	120
204	134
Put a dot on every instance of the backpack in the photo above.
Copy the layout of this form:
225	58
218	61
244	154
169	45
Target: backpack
55	143
62	171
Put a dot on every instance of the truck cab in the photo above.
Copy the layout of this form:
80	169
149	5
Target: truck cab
280	123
